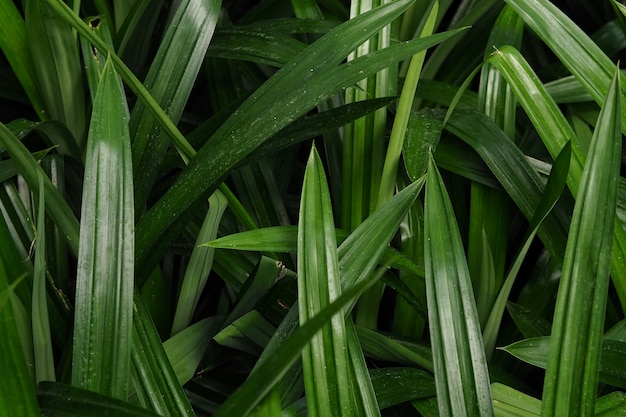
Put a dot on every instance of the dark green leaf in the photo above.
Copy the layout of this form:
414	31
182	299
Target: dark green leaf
60	400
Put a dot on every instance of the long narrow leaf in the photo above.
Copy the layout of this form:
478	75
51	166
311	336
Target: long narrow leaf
327	379
458	352
104	287
403	112
199	265
42	342
572	373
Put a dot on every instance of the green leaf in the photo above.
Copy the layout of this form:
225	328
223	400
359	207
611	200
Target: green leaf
156	384
255	45
611	405
327	379
490	209
552	192
14	45
512	169
422	133
185	349
458	352
571	376
509	402
250	333
317	124
69	16
397	385
200	263
358	256
527	321
56	61
170	80
94	60
57	208
42	342
60	400
403	112
17	388
104	287
536	351
379	346
579	53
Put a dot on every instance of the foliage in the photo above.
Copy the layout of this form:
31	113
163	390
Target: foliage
212	207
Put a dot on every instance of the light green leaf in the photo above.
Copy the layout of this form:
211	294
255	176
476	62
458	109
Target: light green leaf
611	405
458	353
104	287
327	377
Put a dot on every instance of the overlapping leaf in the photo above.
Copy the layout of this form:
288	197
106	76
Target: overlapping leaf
297	87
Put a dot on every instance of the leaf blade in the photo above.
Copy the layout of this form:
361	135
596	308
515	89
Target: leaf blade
458	353
102	335
327	379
